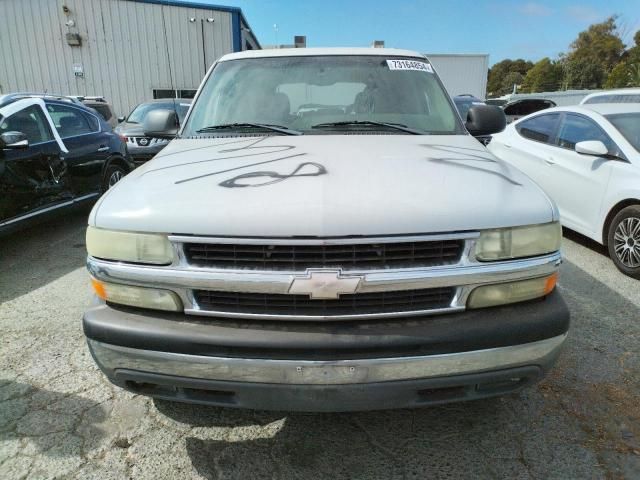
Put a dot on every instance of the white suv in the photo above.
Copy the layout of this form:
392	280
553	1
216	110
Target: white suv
325	234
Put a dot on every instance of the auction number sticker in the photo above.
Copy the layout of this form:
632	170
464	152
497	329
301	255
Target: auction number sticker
409	65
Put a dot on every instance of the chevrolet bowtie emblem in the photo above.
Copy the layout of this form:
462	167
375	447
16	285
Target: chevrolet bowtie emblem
324	284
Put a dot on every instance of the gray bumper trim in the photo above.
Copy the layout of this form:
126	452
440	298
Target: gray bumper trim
112	358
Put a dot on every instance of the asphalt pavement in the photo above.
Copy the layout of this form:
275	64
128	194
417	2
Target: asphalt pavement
59	417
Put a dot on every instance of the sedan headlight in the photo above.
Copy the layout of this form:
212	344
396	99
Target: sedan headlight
129	247
518	242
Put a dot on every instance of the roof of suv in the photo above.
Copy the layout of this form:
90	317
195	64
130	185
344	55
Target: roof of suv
65	101
605	93
167	100
612	108
12	97
310	52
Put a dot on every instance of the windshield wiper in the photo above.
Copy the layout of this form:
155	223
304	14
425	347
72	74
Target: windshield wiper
395	126
264	126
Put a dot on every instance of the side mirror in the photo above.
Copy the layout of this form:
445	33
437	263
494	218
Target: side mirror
485	120
592	147
121	119
13	141
161	124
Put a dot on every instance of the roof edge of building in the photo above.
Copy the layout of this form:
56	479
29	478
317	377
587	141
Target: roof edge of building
199	4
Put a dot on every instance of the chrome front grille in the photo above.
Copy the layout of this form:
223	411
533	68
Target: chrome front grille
251	277
364	256
301	305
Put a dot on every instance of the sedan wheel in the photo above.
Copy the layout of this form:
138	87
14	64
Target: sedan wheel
115	177
624	241
627	242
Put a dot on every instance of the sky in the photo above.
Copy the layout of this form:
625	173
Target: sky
503	29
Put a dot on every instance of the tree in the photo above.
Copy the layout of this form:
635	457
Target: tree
593	55
619	76
583	74
502	75
634	75
511	79
632	55
627	72
545	75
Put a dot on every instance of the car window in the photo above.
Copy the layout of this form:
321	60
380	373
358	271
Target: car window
103	110
31	121
140	112
628	124
614	98
526	107
576	128
305	91
94	124
540	128
69	121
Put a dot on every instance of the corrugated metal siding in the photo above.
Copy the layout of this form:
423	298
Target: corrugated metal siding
462	73
128	48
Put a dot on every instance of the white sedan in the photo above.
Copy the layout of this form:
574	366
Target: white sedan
587	158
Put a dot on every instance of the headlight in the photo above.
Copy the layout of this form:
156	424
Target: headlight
517	242
137	296
129	247
512	292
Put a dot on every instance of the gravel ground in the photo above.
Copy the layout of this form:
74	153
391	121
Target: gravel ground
59	418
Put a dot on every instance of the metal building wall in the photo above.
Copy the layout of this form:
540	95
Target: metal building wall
462	73
128	48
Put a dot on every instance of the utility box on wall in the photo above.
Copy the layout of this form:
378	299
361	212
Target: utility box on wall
74	39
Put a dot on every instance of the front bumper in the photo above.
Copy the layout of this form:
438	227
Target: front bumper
333	366
141	155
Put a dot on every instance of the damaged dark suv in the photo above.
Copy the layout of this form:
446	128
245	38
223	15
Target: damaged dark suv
55	153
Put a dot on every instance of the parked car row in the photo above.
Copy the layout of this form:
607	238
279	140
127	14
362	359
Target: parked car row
522	107
57	152
337	221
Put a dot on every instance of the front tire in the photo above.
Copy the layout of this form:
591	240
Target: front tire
113	175
623	241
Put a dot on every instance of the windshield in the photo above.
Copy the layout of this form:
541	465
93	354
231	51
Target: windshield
628	124
140	112
302	92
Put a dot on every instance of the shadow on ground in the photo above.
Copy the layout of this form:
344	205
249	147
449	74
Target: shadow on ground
35	256
57	424
386	444
580	422
585	241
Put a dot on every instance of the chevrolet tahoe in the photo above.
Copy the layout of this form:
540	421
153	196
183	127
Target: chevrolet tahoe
324	233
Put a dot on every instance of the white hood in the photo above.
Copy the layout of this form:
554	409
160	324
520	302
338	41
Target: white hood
322	186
